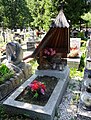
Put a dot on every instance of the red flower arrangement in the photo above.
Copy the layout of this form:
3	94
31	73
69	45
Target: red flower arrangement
49	52
37	88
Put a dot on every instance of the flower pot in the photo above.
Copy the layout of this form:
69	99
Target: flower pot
87	84
86	99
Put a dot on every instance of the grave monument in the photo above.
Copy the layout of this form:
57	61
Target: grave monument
31	41
14	55
84	107
22	70
51	56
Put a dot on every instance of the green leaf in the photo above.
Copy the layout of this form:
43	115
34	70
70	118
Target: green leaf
36	95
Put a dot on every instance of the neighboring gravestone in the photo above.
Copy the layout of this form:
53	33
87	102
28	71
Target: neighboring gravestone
74	47
30	42
89	48
88	58
14	52
14	55
84	106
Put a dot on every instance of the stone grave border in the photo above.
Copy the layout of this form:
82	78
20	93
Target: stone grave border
46	112
11	84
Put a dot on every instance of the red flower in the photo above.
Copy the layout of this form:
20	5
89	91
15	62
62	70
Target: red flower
43	86
37	87
34	87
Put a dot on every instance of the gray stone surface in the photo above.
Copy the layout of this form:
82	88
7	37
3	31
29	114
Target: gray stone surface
19	75
46	112
14	55
83	118
26	69
9	85
3	89
55	73
0	95
83	112
16	80
13	82
14	52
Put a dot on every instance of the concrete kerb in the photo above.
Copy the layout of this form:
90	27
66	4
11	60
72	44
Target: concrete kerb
46	112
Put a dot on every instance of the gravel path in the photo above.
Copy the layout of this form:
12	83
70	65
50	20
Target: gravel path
67	110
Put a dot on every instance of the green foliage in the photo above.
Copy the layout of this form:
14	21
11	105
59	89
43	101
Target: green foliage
87	17
1	12
2	112
34	65
16	13
82	62
75	98
75	73
72	86
83	46
5	116
74	9
81	35
5	73
39	13
36	95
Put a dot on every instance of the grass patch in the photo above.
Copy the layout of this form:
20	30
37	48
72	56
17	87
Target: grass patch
5	73
75	73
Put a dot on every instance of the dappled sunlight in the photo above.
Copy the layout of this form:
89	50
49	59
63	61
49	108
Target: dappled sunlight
75	74
76	91
40	110
34	65
72	109
27	106
21	88
30	107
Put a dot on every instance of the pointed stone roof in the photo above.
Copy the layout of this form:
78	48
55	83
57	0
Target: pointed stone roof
60	21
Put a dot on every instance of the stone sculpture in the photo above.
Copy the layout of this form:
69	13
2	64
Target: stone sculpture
14	55
14	52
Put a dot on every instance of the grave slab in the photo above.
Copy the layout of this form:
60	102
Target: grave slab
46	112
55	73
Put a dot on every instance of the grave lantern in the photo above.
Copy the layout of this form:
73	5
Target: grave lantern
55	41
